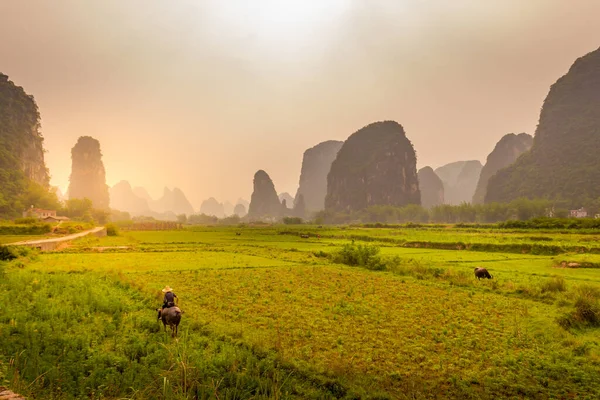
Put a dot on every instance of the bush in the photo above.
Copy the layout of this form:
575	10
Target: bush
33	229
26	221
554	284
112	230
293	221
230	221
359	255
72	227
410	266
587	309
587	306
7	253
320	254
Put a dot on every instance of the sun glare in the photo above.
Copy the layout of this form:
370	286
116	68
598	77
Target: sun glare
276	20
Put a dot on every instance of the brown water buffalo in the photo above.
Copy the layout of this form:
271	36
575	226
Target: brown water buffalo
482	273
171	316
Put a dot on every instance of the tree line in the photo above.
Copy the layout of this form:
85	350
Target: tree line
519	210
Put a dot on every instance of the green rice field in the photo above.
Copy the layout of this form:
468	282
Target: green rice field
269	314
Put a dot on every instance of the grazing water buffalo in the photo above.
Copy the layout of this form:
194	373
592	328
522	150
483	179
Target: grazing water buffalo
482	273
171	316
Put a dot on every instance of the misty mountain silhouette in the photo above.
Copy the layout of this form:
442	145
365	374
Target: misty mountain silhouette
460	180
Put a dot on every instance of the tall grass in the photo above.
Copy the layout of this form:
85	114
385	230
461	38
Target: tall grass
586	311
79	330
86	335
554	284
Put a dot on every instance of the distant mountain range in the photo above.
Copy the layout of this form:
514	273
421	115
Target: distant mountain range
460	180
138	202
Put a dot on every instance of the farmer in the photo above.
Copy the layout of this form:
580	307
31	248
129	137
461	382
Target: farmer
168	300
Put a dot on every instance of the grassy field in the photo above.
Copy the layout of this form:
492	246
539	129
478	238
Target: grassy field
269	314
5	239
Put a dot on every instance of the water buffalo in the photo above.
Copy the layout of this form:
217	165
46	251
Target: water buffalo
171	316
482	273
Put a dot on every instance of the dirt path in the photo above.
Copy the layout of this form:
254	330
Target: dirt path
51	244
6	394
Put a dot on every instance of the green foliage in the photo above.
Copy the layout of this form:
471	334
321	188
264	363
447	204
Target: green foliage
100	216
586	312
202	219
77	208
554	284
293	221
112	230
119	216
67	228
83	210
7	253
521	213
552	223
39	197
26	221
20	139
38	228
123	223
267	312
231	220
359	256
85	336
587	306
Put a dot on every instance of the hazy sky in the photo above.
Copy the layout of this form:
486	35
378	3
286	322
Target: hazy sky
200	94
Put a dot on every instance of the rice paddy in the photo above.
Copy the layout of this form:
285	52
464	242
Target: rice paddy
268	314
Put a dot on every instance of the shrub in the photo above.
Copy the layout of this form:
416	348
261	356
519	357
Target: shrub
293	221
587	306
30	229
410	266
72	227
26	221
7	253
358	255
586	311
112	230
554	284
320	254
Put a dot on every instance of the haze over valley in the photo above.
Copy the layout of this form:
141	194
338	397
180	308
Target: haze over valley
199	96
299	199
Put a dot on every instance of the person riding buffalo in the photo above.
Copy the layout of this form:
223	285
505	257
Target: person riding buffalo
168	300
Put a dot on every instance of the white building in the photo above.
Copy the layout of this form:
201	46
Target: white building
581	213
